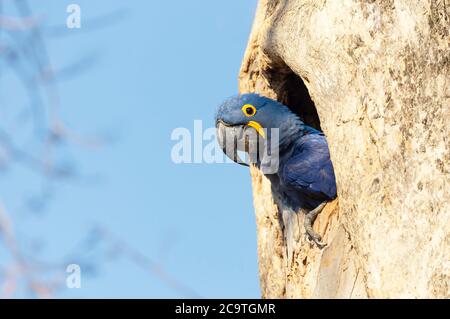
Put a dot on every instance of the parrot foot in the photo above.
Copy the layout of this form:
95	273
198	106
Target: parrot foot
308	223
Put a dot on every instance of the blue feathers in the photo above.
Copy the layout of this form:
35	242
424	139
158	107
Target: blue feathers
305	176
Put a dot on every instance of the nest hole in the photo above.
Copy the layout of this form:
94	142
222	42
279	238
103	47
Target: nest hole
291	90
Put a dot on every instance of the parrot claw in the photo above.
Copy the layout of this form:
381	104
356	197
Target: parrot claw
316	239
309	221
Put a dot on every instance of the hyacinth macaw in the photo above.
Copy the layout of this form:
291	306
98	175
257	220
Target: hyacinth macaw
303	175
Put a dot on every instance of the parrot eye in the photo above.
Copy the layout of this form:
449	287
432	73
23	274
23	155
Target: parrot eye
249	110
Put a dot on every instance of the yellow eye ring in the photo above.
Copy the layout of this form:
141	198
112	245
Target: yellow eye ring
248	110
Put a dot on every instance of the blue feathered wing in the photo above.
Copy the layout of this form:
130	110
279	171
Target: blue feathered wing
309	170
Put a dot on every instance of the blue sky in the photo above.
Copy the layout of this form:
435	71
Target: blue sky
162	66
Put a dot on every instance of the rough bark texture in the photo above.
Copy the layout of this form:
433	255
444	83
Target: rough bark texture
378	73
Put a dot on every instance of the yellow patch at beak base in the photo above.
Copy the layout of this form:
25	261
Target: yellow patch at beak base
257	127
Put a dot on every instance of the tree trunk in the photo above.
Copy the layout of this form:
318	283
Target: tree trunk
376	74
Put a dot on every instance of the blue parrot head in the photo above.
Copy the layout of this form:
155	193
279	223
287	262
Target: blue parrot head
252	110
249	119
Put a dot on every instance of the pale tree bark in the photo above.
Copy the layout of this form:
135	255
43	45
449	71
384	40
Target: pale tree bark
378	73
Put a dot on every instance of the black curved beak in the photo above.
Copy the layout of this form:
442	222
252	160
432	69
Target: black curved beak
229	146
